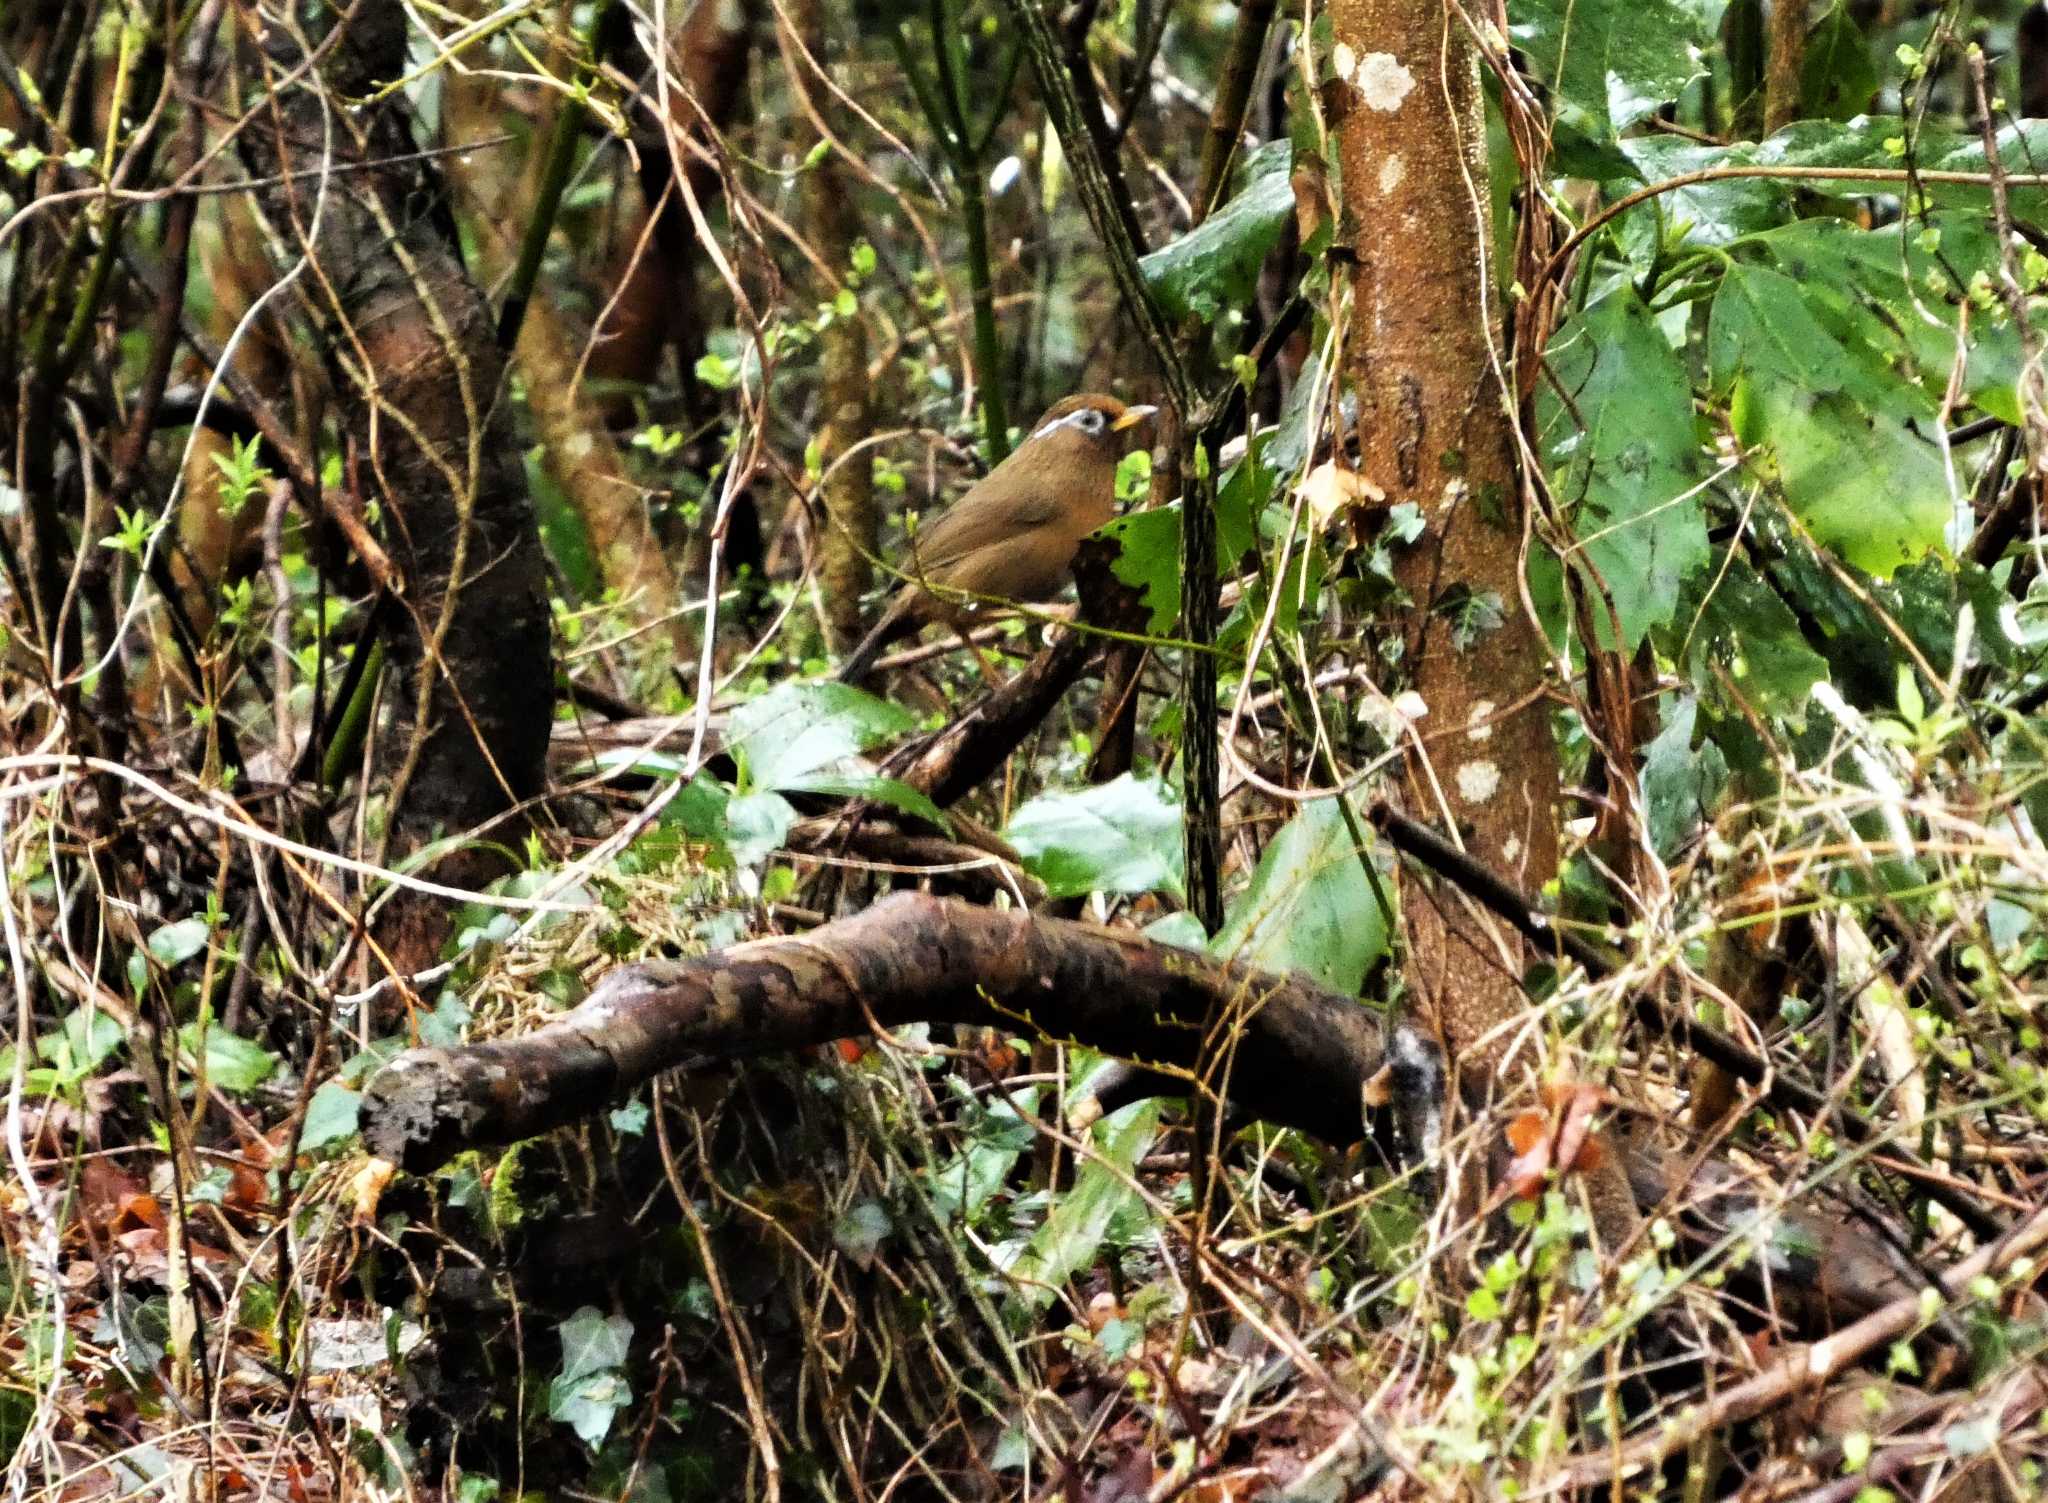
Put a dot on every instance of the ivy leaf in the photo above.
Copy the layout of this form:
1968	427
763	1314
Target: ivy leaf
1626	471
1830	415
1309	907
1119	837
1216	265
592	1386
800	728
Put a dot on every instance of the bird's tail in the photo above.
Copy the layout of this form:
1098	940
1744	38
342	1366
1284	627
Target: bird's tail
895	624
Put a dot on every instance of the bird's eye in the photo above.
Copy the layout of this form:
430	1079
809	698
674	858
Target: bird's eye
1090	421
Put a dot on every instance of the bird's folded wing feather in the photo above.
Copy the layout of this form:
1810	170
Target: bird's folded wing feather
965	530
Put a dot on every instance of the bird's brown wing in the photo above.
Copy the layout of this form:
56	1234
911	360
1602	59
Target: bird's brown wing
953	542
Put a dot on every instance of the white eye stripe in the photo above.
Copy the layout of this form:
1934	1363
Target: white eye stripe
1089	420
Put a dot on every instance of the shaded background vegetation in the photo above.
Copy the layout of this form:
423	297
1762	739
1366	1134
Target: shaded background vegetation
448	448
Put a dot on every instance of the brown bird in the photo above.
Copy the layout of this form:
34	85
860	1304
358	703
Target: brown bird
1014	535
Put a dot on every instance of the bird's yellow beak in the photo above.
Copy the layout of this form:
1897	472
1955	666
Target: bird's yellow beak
1132	417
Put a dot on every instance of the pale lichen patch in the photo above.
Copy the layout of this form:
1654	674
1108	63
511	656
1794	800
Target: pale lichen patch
1392	170
1382	81
1478	781
1479	724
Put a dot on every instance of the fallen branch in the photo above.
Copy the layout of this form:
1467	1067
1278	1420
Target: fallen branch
1302	1055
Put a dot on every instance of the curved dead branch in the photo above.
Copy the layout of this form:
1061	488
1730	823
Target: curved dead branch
1302	1055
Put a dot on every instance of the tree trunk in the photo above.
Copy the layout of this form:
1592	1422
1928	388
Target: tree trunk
411	346
852	524
1435	429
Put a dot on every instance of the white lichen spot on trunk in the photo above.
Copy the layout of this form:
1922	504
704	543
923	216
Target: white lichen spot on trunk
1513	850
1382	81
1478	781
1479	724
1392	170
1343	61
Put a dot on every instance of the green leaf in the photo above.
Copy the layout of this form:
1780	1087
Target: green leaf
1832	416
176	943
896	794
233	1063
1609	63
1119	837
592	1342
83	1042
755	825
1622	453
1681	784
1075	1226
1896	291
1737	624
860	1231
800	728
331	1116
1309	907
1216	265
1839	76
1148	560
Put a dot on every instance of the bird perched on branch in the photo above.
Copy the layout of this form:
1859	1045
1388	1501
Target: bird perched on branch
1014	535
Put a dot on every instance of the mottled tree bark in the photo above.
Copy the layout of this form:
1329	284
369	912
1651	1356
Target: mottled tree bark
1784	62
411	347
1434	429
1303	1056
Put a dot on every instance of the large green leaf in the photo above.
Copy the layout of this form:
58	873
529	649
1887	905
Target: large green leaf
1736	640
1309	906
1123	836
1624	454
1079	1219
1681	783
1216	265
1833	418
1609	63
1714	213
1838	76
592	1386
1903	292
798	729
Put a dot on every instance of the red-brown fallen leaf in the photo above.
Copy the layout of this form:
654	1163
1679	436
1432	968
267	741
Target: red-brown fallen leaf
1228	1487
1561	1139
137	1209
852	1051
112	1200
247	1189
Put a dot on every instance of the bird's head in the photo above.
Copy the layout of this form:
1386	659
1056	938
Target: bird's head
1093	421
